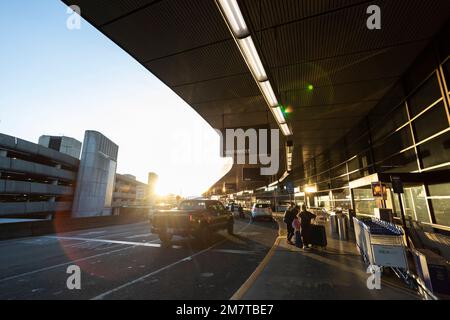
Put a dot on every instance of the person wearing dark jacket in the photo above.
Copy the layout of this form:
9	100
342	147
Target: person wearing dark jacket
289	216
305	221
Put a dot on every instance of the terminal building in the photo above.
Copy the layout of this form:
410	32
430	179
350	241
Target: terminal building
355	104
48	179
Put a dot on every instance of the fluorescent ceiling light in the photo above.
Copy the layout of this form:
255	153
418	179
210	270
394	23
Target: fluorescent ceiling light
252	58
278	115
285	128
234	17
284	176
267	90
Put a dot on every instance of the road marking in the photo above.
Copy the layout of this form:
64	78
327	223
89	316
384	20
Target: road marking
235	251
92	233
62	264
140	236
142	244
252	279
186	259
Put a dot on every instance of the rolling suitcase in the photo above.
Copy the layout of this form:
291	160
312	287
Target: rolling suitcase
318	236
298	239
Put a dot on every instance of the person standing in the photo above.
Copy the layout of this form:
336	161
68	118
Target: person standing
297	231
289	216
305	222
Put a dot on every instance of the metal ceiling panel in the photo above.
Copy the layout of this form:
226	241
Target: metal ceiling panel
321	42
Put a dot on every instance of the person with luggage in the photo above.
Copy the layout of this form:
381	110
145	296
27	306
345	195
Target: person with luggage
241	212
297	231
289	216
306	218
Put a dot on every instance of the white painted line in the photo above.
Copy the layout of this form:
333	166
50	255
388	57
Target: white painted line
148	244
235	251
92	233
142	244
186	259
140	236
62	264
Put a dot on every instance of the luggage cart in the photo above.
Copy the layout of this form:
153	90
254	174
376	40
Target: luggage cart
381	243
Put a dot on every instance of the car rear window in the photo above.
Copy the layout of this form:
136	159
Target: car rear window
262	205
192	205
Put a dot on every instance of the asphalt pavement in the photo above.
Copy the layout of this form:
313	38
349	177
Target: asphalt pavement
129	262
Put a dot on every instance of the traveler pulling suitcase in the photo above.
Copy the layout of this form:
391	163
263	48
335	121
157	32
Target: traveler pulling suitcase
318	236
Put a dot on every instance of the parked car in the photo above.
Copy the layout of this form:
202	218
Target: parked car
261	211
196	218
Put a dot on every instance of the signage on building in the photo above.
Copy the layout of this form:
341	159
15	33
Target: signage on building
379	190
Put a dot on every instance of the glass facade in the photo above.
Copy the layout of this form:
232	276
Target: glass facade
408	131
440	201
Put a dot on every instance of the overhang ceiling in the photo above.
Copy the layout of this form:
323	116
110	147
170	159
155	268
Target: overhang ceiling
326	43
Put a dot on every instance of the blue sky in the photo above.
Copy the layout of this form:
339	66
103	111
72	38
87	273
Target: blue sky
62	82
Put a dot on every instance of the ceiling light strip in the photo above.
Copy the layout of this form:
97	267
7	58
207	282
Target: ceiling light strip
236	23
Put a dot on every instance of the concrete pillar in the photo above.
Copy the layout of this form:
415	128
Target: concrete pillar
96	176
4	154
55	183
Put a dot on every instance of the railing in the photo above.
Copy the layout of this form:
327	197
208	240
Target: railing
436	226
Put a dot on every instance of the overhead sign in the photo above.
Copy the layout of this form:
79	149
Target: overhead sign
290	188
397	185
379	190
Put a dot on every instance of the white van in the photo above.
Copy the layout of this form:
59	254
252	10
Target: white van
261	211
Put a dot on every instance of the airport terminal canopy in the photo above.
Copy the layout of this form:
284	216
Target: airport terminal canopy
326	67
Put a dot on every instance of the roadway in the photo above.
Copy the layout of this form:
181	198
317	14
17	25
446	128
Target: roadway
129	262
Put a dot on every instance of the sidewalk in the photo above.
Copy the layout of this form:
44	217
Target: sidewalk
289	273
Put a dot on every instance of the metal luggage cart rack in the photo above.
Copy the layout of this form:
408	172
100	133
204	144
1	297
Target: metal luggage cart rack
380	243
388	250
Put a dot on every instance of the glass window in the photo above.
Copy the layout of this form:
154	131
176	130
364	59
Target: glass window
262	205
441	208
322	201
439	194
393	144
192	205
404	162
415	203
338	171
435	151
353	164
439	189
339	183
390	123
341	198
356	175
431	122
365	203
424	96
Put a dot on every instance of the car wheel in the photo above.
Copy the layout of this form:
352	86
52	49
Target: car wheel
205	235
230	227
165	237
